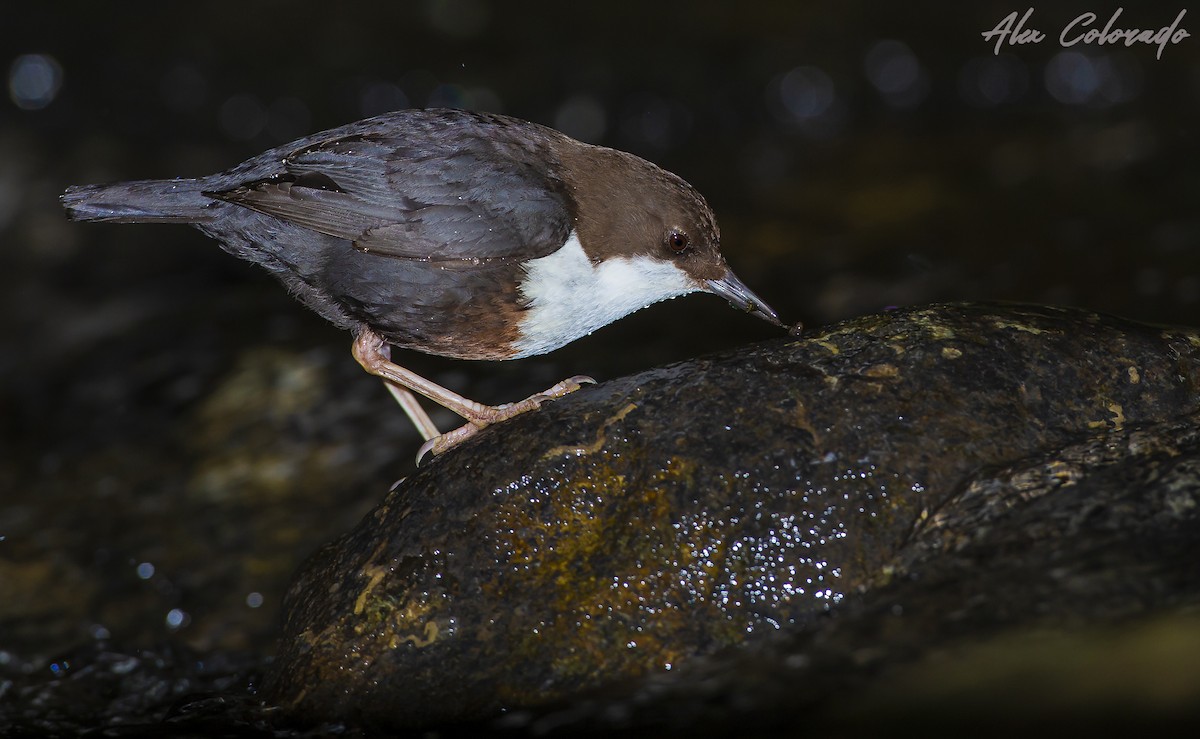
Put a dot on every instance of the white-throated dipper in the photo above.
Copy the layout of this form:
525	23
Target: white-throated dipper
466	235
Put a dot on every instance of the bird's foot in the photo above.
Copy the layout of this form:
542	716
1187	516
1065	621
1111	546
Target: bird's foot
488	415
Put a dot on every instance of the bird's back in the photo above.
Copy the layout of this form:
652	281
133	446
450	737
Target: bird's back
391	222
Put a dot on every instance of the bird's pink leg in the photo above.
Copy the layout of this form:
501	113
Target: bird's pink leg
373	353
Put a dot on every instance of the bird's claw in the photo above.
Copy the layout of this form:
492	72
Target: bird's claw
440	444
494	414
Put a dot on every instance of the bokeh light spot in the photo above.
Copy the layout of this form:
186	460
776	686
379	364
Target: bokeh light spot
806	92
176	618
34	81
1102	81
988	81
805	99
894	71
1072	78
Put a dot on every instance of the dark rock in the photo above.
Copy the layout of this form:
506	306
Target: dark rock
1059	590
632	527
97	686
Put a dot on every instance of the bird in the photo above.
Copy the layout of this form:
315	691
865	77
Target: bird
461	234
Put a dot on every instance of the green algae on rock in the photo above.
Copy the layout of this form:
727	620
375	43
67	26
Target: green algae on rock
632	526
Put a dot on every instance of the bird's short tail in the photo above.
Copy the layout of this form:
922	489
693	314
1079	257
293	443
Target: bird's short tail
145	201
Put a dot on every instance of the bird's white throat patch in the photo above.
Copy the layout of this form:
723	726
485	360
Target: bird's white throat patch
570	297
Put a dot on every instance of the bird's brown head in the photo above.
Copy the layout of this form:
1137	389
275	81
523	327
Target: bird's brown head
628	208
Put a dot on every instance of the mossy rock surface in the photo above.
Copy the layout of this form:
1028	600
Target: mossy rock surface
633	527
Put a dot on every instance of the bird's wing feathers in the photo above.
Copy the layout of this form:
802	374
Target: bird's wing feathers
466	200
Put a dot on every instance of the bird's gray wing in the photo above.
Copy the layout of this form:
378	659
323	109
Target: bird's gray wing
466	197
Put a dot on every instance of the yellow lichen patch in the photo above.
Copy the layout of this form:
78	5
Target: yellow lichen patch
610	610
524	531
1063	473
412	614
882	371
949	352
1118	415
824	343
1116	422
801	420
389	624
941	333
428	637
579	450
374	574
1016	326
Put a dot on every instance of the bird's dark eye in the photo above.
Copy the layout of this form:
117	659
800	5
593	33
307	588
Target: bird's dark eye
678	241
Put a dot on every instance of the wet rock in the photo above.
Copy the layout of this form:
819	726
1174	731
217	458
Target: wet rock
97	685
1062	588
633	527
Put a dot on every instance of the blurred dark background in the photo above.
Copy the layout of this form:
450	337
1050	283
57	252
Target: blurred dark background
177	432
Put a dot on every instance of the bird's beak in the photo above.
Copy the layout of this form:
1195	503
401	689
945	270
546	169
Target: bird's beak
740	297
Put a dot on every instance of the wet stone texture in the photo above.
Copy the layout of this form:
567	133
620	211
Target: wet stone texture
633	527
1058	591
